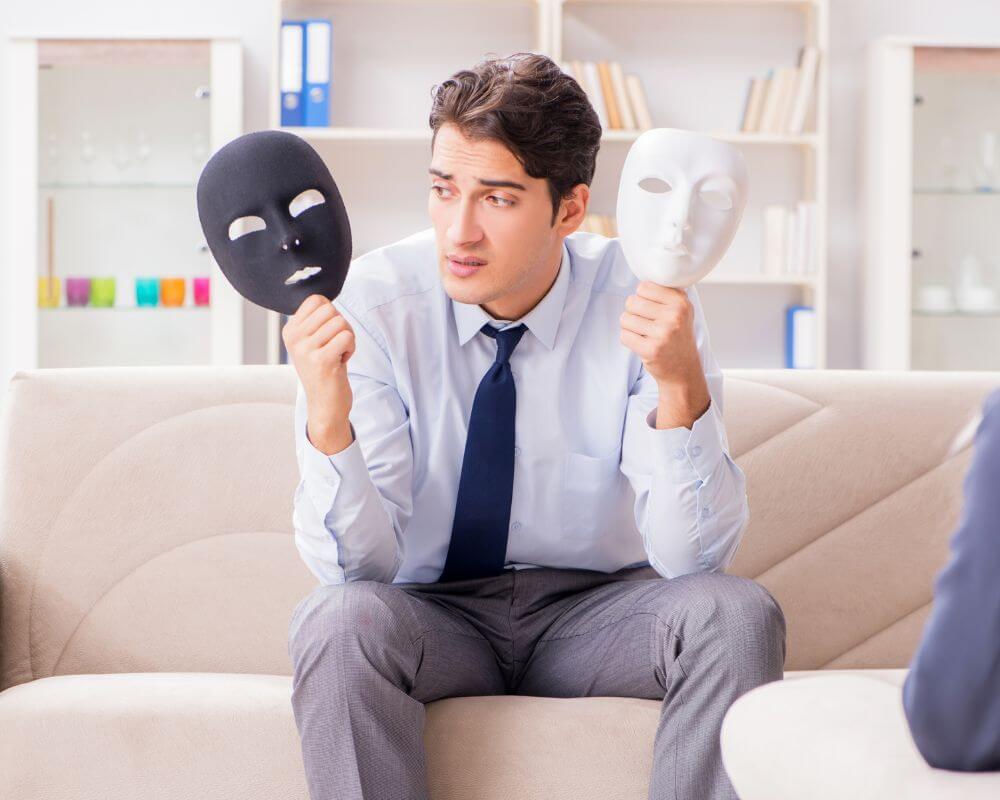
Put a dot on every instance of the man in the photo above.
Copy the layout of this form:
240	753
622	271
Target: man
952	692
515	476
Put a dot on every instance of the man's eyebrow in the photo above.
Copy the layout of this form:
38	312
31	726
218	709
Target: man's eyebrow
483	181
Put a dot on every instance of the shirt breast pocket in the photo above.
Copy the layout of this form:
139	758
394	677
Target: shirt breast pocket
589	493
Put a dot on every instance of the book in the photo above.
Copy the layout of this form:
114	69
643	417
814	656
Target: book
621	96
637	96
804	89
755	105
771	98
751	105
316	84
811	255
594	92
791	249
785	100
800	337
604	75
290	72
773	238
777	100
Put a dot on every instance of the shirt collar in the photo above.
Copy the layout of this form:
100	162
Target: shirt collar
542	320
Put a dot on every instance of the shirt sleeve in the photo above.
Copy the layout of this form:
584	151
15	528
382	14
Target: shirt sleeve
350	508
690	496
951	695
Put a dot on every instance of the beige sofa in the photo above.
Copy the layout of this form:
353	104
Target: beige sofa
148	576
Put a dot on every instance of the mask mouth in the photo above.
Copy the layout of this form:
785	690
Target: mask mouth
678	250
303	274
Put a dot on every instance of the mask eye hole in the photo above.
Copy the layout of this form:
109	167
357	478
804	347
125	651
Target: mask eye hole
241	226
717	198
305	200
656	185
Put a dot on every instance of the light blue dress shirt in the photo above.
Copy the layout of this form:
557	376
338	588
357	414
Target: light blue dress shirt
596	485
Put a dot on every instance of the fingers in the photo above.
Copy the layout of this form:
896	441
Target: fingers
661	294
310	316
636	343
317	318
340	348
307	306
637	324
327	331
642	306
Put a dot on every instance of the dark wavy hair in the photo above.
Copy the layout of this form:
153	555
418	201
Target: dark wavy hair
526	102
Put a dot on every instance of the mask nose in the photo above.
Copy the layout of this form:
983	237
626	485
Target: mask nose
675	231
290	242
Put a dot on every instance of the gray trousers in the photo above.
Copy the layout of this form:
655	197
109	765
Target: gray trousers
368	655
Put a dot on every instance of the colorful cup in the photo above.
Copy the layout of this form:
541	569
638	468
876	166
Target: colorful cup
172	291
49	292
77	291
202	287
102	292
147	292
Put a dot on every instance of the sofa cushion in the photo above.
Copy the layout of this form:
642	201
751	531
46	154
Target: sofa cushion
178	734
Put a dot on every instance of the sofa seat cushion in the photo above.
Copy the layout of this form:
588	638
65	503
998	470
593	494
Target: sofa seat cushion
218	735
835	734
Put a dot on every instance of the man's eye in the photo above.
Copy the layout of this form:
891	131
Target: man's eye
241	226
435	187
304	200
504	202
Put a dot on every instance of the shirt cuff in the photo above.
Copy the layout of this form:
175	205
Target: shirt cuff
333	470
688	454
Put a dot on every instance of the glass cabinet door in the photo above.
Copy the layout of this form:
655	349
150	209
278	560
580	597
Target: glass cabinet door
956	209
123	271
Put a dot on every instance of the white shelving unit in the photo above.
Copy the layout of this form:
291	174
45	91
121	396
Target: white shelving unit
695	60
928	205
111	134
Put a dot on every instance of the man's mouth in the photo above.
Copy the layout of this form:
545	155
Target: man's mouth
467	261
302	274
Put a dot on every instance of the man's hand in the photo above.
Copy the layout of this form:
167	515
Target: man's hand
319	341
658	326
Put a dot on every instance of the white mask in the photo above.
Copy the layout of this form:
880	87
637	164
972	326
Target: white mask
680	201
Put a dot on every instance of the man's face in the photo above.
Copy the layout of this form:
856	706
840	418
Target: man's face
484	206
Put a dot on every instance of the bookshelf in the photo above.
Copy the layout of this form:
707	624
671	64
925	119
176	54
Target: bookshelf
695	61
932	274
107	139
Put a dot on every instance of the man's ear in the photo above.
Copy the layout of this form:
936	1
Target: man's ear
573	210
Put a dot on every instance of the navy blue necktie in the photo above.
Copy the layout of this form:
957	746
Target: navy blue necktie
478	545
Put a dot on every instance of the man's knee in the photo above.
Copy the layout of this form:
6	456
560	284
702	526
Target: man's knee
734	609
352	613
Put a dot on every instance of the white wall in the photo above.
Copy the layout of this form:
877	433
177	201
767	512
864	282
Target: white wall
853	24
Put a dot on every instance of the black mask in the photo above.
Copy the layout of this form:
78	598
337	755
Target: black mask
257	177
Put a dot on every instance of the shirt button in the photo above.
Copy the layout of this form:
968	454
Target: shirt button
517	450
516	526
696	450
679	454
705	512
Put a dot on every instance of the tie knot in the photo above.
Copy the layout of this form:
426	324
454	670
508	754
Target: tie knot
506	340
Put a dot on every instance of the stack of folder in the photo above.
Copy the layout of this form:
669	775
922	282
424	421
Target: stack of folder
304	74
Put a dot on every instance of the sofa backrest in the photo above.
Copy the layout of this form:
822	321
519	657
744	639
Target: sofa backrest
145	522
